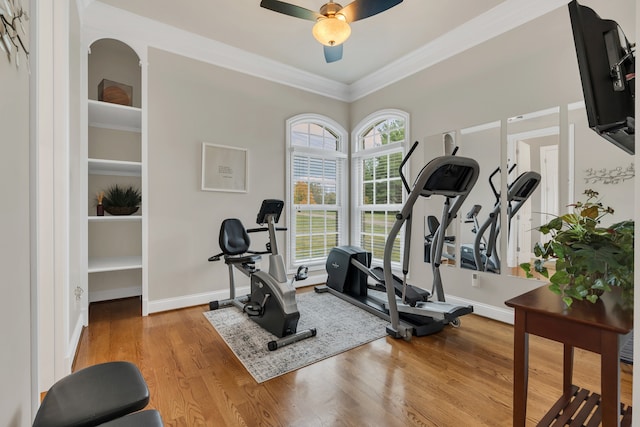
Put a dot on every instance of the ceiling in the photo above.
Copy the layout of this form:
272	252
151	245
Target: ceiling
375	43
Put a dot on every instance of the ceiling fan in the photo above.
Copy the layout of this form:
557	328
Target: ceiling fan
332	22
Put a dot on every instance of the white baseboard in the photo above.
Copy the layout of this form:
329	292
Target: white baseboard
485	310
191	300
74	341
95	296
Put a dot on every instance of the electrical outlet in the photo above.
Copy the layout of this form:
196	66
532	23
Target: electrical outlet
475	280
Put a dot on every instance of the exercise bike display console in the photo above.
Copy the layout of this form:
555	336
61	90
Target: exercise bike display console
271	302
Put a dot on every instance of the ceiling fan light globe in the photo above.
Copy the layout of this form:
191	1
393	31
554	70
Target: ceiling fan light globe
331	31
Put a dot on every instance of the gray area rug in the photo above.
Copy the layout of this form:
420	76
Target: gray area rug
340	327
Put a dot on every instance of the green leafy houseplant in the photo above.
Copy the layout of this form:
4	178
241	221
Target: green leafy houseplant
589	259
119	200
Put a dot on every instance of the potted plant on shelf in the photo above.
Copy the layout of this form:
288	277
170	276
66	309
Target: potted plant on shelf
119	200
589	259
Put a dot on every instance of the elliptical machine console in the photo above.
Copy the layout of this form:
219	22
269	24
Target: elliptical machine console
272	300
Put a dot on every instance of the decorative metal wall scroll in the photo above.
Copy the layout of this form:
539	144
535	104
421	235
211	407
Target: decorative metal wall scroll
610	176
12	30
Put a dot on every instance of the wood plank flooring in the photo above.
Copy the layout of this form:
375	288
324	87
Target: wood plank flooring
459	377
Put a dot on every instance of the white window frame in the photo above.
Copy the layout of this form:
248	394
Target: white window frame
357	156
342	196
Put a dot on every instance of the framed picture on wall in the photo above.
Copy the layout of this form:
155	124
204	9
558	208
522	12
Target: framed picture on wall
224	168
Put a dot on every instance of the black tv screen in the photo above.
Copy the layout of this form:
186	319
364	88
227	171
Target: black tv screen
607	69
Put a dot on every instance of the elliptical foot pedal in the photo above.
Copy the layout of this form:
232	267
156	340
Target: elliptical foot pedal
459	312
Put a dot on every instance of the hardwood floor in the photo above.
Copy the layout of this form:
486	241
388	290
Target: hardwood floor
459	377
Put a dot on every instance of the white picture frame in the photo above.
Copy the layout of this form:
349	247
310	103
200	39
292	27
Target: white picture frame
224	168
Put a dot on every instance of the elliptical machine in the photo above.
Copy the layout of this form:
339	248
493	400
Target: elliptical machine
272	301
483	255
410	310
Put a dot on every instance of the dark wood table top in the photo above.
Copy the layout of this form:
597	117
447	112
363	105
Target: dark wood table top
610	313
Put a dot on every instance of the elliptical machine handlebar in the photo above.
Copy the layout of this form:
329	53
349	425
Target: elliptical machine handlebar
404	161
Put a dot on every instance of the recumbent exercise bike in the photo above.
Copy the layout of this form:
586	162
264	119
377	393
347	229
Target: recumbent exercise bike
272	300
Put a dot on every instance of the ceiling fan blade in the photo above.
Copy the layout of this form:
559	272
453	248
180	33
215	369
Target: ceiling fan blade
290	9
360	9
333	53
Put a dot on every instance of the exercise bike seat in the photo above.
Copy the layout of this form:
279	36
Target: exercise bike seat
93	396
234	242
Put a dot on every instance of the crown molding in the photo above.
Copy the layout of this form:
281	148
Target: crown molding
498	20
101	19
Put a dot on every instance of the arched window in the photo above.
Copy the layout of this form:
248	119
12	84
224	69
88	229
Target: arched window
379	143
316	184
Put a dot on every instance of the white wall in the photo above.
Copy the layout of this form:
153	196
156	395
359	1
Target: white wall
528	69
190	102
15	312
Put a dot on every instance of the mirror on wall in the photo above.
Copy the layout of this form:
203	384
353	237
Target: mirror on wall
533	188
477	234
544	176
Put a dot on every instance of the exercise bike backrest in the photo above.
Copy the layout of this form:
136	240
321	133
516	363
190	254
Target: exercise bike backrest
233	238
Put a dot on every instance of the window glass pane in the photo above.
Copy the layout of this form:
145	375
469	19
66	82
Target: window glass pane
395	191
303	222
317	246
303	248
332	221
316	141
367	169
331	242
367	222
315	129
366	242
317	222
381	193
382	167
379	222
391	219
301	193
396	130
330	194
378	246
394	164
368	193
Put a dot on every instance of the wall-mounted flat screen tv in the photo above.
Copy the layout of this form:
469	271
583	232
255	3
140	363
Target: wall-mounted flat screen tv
606	64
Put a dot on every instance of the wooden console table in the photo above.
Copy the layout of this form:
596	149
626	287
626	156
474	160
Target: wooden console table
594	327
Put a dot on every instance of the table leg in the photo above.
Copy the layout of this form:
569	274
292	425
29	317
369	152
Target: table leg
567	373
610	379
520	369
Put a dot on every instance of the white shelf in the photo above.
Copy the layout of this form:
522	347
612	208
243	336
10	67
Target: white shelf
114	218
97	265
114	167
114	116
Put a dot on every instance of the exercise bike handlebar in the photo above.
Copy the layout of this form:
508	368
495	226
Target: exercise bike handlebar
257	230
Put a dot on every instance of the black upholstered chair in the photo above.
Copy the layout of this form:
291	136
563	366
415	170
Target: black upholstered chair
103	393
